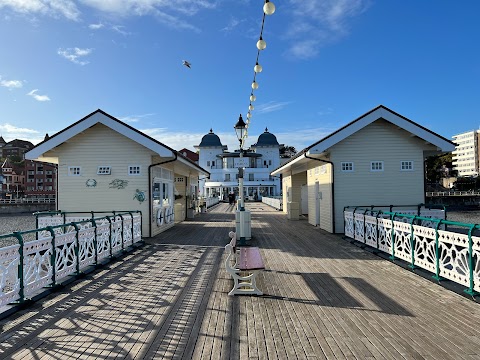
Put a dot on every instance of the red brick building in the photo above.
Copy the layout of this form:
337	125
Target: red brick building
40	179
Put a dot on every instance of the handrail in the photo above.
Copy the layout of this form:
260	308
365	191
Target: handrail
453	193
60	251
28	201
409	240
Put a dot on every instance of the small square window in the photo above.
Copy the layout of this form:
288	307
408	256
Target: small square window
134	170
406	165
104	170
74	171
376	166
347	166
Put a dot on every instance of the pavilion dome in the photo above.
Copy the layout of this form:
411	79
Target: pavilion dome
210	140
267	139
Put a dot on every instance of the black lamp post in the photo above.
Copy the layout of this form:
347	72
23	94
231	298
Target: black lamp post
240	129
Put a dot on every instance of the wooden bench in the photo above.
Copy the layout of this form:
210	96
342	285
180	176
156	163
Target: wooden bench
244	264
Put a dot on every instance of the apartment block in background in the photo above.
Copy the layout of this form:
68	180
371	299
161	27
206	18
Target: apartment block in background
466	155
40	179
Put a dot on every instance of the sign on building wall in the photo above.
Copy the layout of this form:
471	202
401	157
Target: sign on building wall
241	162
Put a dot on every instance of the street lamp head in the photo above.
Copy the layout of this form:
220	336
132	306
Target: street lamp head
240	128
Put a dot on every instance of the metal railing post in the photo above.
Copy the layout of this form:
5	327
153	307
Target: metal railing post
471	264
392	217
131	216
95	239
53	256
110	235
437	254
76	248
21	291
121	232
412	243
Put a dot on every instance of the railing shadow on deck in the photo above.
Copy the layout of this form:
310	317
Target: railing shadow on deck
134	310
329	292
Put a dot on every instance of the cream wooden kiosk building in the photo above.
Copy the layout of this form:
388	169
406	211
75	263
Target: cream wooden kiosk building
377	159
105	164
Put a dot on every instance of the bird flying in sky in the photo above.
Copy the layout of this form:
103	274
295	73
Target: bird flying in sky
187	64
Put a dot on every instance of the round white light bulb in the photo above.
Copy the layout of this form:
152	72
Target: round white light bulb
269	8
261	44
253	98
250	107
258	68
254	85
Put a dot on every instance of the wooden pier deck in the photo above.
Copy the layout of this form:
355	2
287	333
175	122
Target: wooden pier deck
324	299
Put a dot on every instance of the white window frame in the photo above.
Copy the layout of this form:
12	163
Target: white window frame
345	165
74	171
406	168
134	167
375	163
104	170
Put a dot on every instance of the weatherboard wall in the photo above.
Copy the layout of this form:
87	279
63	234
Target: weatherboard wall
320	173
102	146
379	141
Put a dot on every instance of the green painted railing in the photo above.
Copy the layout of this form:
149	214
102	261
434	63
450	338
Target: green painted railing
414	239
47	256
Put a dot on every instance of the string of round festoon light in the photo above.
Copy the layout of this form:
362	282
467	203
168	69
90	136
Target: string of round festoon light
268	9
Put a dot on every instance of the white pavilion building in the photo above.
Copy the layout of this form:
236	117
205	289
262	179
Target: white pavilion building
263	157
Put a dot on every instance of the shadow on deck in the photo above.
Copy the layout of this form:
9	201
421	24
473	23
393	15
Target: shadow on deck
324	298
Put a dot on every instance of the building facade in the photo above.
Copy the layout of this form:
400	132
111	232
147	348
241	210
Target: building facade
466	156
15	148
258	161
105	164
377	159
13	180
40	180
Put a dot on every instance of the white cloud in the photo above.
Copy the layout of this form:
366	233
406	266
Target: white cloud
119	29
299	139
96	26
74	54
10	132
38	97
11	83
135	118
168	12
54	8
316	23
232	24
270	107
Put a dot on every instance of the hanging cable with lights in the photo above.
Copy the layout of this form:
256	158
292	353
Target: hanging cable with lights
268	9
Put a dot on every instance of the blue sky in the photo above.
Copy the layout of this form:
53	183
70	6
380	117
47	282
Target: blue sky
326	63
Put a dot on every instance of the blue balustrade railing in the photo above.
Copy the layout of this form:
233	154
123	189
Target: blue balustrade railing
63	245
448	249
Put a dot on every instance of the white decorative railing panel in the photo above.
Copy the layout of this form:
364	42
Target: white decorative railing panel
9	279
453	254
348	218
86	251
424	247
62	248
37	267
449	255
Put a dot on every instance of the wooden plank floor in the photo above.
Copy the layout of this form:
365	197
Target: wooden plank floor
324	299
